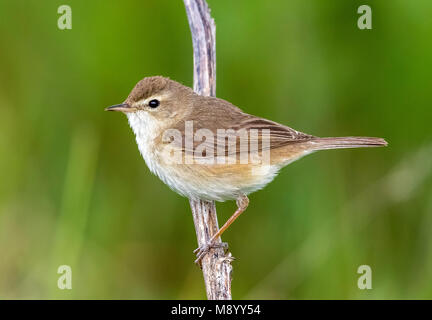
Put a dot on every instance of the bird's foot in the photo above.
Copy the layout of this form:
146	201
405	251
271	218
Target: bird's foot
203	250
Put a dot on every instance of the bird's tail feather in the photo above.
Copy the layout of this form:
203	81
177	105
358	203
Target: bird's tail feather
346	142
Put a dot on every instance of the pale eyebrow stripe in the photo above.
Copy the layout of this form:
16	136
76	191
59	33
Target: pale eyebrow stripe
146	100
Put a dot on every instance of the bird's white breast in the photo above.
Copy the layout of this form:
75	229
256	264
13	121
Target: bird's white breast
146	130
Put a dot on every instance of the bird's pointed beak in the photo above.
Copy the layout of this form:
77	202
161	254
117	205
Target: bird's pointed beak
123	107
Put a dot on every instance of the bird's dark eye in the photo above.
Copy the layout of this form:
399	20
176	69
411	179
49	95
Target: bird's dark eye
154	103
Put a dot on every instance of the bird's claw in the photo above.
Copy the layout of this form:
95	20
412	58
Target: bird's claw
203	250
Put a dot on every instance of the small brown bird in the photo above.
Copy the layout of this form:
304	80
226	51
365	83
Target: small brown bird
207	148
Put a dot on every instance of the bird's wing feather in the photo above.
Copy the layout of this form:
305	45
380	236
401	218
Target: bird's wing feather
214	114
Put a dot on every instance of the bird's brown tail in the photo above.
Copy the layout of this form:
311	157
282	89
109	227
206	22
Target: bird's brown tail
346	142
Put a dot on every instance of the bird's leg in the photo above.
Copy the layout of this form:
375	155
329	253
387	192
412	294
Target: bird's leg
242	204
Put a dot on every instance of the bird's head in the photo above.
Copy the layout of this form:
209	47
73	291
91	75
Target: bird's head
156	100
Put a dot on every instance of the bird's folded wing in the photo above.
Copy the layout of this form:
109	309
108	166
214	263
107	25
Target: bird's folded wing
223	129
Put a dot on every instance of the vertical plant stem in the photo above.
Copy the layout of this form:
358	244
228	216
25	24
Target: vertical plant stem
77	191
216	265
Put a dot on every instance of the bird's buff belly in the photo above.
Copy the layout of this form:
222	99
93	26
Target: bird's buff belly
219	182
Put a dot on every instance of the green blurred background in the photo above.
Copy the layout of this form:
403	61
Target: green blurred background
74	189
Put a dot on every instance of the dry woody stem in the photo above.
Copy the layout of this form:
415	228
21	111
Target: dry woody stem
216	265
